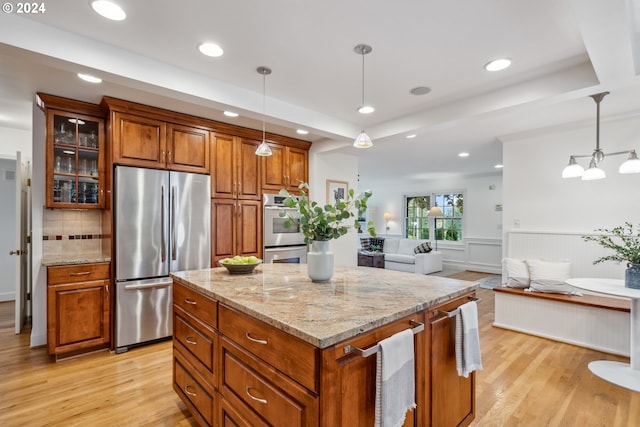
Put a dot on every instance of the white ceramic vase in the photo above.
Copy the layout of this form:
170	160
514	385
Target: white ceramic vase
320	261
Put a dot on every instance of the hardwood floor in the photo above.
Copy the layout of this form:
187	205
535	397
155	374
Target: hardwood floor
526	381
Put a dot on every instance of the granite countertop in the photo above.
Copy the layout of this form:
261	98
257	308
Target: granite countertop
53	261
356	300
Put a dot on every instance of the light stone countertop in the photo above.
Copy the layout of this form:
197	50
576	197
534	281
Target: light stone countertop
59	260
356	300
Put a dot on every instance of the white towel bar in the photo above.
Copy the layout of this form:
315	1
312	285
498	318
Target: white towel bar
417	327
455	312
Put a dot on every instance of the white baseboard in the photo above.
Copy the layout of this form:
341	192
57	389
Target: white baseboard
7	296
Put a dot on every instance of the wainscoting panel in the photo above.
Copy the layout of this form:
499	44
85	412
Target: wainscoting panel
563	246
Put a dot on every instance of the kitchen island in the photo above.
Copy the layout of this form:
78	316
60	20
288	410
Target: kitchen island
274	348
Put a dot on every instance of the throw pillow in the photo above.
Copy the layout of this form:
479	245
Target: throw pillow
549	277
423	248
539	269
364	242
376	244
517	273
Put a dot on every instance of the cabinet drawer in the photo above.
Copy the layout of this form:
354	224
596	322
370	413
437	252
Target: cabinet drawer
198	305
285	352
77	273
238	415
277	399
191	391
198	340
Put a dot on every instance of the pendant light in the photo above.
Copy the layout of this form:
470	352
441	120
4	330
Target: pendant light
593	172
263	149
363	140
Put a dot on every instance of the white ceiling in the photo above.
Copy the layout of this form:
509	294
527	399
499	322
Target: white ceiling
562	51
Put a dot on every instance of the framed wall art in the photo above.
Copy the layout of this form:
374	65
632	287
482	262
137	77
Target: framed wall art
336	190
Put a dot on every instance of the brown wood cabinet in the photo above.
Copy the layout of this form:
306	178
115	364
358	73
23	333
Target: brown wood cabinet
236	228
286	168
267	377
78	308
155	138
235	168
75	161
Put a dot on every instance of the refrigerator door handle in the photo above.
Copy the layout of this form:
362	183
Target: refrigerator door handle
163	216
174	255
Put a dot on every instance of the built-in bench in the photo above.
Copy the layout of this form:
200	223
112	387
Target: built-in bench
593	321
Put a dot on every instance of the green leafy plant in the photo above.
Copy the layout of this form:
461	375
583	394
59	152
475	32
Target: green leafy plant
626	244
326	222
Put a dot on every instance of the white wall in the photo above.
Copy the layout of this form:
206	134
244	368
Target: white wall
39	272
480	249
339	167
537	198
8	230
12	140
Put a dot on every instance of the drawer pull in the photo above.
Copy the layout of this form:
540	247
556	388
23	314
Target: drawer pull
250	338
189	393
82	273
190	340
190	301
257	399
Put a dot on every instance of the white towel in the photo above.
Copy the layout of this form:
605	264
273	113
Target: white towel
468	358
395	379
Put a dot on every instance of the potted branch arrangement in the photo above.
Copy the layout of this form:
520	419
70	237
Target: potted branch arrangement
322	223
626	247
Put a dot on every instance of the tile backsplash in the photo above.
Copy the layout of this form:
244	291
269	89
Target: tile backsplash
72	234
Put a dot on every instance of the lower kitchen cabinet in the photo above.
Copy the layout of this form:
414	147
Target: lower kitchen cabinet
78	308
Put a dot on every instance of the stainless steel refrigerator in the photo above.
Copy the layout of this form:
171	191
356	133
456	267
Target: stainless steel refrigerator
162	225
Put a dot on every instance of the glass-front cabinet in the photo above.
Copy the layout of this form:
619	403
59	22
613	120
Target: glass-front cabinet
74	161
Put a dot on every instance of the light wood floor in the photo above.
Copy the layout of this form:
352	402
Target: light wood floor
526	381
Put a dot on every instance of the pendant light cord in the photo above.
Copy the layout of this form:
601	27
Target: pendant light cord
264	103
362	104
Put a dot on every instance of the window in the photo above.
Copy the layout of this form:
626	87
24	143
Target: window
448	227
417	222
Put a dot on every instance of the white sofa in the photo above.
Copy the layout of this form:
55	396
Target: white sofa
400	255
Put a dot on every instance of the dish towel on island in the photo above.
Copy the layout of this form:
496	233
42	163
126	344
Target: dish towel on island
468	358
395	379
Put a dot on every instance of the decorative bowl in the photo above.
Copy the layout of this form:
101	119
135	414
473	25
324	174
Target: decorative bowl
240	268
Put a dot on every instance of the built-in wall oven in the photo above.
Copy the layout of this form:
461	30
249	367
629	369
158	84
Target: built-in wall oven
281	244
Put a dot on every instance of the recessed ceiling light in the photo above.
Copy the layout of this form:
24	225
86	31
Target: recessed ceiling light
420	90
498	166
366	109
89	78
413	135
302	131
230	114
210	49
497	64
109	10
463	154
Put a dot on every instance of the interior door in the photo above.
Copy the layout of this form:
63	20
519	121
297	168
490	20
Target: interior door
22	242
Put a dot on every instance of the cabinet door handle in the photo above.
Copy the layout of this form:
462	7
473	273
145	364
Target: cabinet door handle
169	157
257	399
189	393
190	340
82	273
250	338
190	301
162	157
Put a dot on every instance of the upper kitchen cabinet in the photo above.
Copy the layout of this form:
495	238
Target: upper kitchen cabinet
75	140
155	138
235	168
286	168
